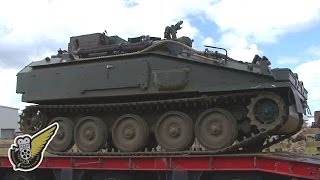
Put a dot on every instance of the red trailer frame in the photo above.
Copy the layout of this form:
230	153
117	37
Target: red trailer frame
288	164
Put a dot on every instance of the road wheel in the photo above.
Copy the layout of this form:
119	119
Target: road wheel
90	134
63	140
130	133
216	129
174	131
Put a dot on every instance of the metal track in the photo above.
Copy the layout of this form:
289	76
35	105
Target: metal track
204	101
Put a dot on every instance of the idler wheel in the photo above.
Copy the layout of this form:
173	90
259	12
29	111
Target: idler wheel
174	131
216	129
63	140
130	133
90	134
266	110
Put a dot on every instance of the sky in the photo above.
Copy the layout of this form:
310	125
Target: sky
286	31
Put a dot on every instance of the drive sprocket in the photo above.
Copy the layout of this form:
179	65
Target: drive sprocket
266	111
32	121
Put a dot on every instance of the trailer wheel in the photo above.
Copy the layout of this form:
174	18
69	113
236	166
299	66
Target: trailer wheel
20	176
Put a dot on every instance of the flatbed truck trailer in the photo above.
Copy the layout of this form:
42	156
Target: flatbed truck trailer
278	165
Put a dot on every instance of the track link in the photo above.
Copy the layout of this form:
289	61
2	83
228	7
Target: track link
203	101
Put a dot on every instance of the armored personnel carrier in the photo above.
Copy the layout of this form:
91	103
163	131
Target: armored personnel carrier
148	95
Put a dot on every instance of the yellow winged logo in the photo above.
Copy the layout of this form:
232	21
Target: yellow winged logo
40	141
27	152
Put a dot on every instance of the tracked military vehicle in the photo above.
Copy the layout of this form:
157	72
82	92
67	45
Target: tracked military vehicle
148	95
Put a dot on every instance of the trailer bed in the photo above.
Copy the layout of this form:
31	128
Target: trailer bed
282	163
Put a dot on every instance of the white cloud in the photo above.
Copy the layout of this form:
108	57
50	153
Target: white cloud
8	97
287	60
245	53
208	41
314	50
31	27
245	23
309	73
60	19
264	20
239	47
7	79
34	29
253	21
